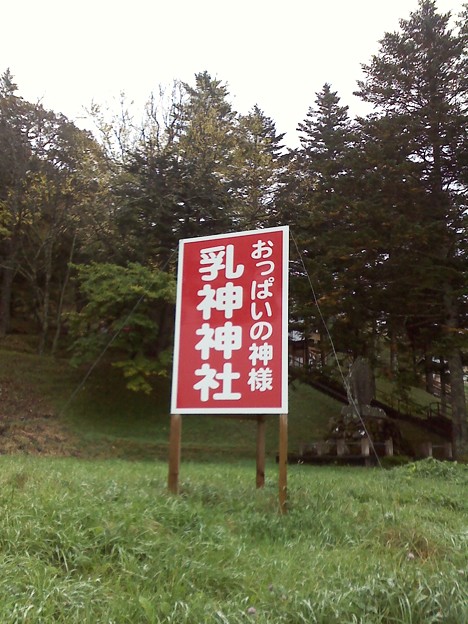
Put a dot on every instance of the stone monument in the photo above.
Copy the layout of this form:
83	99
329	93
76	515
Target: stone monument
360	418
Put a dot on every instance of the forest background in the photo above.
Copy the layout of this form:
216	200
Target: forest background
377	206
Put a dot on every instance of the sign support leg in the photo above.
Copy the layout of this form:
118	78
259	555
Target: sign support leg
283	462
174	453
261	426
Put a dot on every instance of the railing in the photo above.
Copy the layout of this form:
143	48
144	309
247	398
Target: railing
407	406
404	406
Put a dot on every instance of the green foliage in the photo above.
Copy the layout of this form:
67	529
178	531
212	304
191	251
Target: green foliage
259	164
366	199
50	174
126	312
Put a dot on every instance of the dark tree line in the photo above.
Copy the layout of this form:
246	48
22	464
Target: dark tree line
377	207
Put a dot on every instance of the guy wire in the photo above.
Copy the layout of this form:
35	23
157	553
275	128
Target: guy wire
335	355
109	343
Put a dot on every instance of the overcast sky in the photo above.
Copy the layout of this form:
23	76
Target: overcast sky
274	53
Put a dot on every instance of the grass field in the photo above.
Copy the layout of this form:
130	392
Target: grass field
97	538
102	542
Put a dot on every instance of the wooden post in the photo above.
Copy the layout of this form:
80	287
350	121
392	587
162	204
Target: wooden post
174	453
448	450
365	447
261	426
283	462
340	446
389	447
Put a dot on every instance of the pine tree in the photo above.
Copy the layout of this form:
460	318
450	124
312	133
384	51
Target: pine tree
259	164
205	156
336	247
418	84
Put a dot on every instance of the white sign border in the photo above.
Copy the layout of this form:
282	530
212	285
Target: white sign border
283	409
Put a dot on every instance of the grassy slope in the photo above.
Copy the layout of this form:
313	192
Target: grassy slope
94	541
106	420
110	420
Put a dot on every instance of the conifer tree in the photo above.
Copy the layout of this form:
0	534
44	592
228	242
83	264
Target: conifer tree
418	85
259	164
333	241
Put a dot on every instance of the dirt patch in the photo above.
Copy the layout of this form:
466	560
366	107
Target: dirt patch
29	425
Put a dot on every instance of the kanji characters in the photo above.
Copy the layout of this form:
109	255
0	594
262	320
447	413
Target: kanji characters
233	311
226	298
226	338
208	381
215	259
261	379
262	353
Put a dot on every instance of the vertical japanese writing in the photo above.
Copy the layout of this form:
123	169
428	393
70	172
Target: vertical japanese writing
261	377
226	338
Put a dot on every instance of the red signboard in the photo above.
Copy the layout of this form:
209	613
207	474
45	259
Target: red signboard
230	352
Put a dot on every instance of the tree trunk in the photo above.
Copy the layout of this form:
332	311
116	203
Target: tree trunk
394	365
458	403
62	297
8	274
443	388
46	298
457	394
8	270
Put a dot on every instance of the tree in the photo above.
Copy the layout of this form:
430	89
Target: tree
49	179
206	143
260	163
123	313
15	153
173	177
336	248
418	84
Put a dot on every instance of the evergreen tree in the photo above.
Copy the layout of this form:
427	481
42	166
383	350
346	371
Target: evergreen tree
174	175
418	84
205	152
336	247
259	168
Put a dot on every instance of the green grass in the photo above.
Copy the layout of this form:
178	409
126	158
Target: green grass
121	415
103	541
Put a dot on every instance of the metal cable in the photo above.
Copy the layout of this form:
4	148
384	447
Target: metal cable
345	383
109	343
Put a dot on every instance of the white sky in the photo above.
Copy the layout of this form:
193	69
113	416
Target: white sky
276	54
